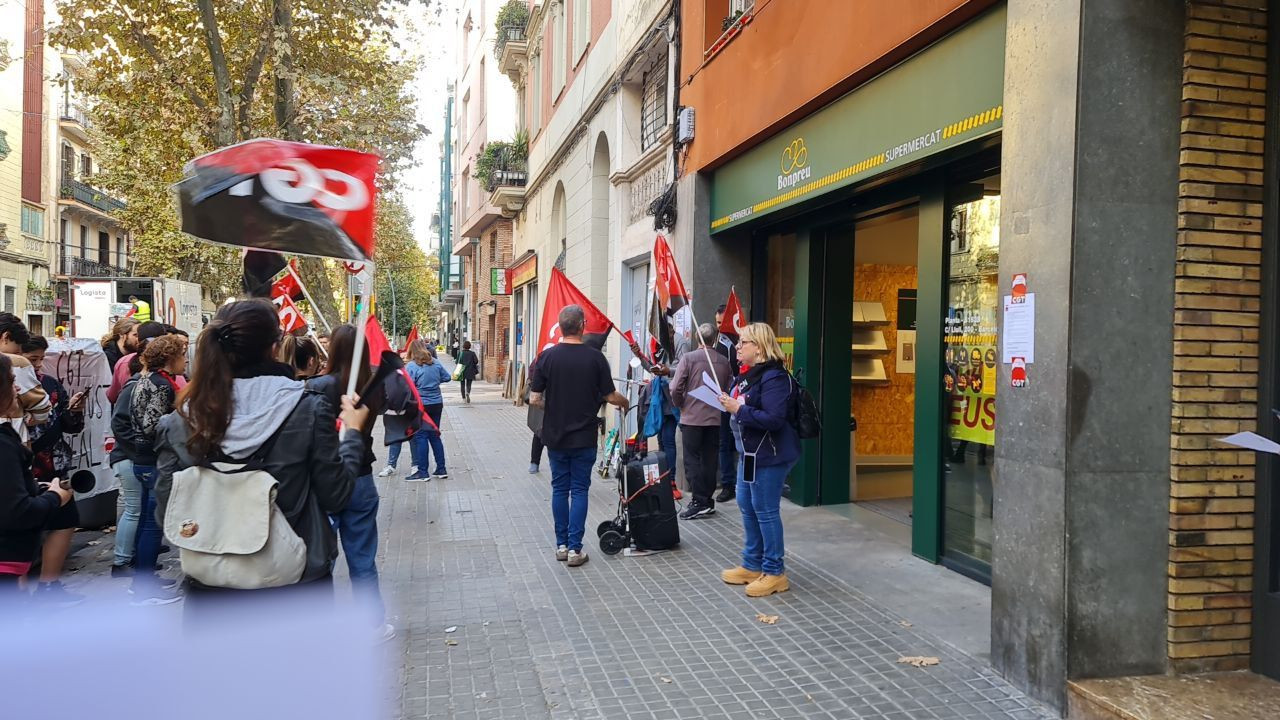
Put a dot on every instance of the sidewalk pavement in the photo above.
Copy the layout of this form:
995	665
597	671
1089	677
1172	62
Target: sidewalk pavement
655	637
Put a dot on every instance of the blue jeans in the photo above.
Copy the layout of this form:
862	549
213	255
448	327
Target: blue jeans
393	453
762	547
423	443
150	536
357	527
667	441
127	526
570	478
728	454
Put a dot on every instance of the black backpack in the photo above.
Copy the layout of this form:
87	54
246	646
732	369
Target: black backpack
805	415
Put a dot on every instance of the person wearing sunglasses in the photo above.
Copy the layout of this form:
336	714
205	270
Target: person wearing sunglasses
760	404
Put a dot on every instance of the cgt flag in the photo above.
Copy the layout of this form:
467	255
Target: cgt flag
283	196
670	318
291	319
731	321
561	294
260	267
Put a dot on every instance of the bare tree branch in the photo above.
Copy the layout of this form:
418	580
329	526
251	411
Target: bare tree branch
221	75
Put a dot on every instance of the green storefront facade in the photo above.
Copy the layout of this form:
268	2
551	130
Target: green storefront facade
873	225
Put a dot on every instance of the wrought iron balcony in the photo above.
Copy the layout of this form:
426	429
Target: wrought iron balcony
73	189
508	170
72	113
507	33
39	300
83	267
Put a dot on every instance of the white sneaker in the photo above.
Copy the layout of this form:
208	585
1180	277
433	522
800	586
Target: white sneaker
387	471
562	553
413	470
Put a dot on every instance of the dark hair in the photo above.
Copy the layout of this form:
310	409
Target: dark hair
721	308
11	324
147	331
242	334
6	381
342	345
34	343
298	352
572	319
179	331
466	345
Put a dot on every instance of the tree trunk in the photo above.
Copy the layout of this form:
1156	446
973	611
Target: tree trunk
225	133
316	275
282	12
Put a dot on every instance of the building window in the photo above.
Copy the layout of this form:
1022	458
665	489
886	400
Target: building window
463	192
581	27
653	104
558	49
86	166
535	94
68	161
741	6
32	221
10	298
493	248
84	241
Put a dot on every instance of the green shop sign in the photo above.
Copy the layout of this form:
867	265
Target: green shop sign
948	94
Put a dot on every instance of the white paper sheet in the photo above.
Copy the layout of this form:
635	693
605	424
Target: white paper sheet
1252	441
1019	331
710	382
707	395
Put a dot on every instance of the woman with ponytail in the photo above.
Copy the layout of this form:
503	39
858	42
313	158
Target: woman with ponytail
239	399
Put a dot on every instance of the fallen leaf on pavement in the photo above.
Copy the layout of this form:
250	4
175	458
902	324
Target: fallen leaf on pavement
451	628
904	623
918	661
450	641
94	542
767	619
666	680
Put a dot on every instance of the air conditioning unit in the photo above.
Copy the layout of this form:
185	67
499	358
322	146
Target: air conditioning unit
684	125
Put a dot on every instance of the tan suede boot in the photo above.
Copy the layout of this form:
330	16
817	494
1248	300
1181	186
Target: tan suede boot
740	575
768	585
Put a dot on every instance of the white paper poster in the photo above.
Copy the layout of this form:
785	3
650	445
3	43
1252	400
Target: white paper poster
1019	331
906	358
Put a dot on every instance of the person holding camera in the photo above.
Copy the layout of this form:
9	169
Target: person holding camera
25	506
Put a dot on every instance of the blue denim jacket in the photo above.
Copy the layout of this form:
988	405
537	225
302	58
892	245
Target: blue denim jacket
428	379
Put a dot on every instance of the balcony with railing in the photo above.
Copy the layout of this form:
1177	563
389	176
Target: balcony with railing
511	46
86	194
83	267
505	170
73	120
40	300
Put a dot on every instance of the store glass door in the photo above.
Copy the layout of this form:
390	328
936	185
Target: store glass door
970	354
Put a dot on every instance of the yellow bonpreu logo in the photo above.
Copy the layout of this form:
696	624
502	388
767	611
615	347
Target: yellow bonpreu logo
794	156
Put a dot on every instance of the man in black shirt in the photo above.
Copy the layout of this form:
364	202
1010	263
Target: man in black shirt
570	382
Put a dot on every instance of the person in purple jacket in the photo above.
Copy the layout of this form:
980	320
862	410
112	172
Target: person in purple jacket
760	405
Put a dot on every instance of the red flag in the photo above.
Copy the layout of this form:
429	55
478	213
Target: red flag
562	293
375	340
670	288
408	340
731	322
285	196
287	286
291	319
670	316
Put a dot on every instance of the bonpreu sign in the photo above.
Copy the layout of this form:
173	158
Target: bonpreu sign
948	94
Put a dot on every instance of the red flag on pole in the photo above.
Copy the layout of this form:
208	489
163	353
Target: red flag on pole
731	321
377	340
670	317
560	294
408	340
291	319
288	286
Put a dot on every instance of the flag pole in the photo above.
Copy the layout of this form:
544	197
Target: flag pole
307	294
362	322
712	365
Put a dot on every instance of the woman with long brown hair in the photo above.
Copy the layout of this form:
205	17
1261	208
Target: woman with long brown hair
357	523
428	375
239	399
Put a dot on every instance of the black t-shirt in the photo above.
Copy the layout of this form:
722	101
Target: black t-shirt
574	381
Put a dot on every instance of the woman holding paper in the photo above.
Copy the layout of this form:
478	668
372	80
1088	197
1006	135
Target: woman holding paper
700	378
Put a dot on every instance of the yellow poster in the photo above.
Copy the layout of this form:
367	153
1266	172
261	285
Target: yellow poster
970	357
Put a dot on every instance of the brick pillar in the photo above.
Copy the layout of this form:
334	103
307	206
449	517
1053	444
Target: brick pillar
1216	334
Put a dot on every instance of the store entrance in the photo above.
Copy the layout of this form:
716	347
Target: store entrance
882	360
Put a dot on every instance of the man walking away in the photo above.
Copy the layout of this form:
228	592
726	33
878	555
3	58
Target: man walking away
726	345
700	422
570	382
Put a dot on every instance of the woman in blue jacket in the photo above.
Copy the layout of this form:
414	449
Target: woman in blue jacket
760	404
427	375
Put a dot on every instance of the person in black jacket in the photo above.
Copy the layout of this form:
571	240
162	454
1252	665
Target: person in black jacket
470	363
357	523
24	507
121	460
52	459
240	398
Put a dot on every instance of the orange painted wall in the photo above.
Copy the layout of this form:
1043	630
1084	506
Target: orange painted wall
794	57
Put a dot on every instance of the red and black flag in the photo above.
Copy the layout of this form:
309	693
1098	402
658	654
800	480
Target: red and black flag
260	269
408	340
283	196
561	294
731	321
671	316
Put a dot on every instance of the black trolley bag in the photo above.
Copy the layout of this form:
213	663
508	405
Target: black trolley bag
651	511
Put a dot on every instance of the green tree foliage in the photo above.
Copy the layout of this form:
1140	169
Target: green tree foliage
173	79
407	278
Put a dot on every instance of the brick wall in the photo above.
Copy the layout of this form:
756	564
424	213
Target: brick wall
490	331
1216	334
